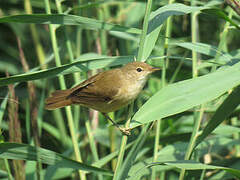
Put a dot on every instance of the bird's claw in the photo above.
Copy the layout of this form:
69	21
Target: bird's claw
125	131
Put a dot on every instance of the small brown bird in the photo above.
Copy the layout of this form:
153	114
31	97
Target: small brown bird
105	92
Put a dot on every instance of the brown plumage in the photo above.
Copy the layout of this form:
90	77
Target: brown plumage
105	92
58	100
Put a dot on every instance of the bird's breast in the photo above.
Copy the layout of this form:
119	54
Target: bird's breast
131	91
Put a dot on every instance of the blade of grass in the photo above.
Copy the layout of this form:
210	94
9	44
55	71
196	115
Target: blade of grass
35	36
131	156
56	133
64	19
123	147
197	121
63	86
156	20
28	122
41	110
236	135
30	153
206	49
141	50
77	66
101	162
221	14
32	105
193	165
78	51
2	110
76	76
224	110
113	140
223	40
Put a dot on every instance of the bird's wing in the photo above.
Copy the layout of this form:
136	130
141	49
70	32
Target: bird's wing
94	89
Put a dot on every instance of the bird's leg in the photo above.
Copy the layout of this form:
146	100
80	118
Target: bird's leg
126	131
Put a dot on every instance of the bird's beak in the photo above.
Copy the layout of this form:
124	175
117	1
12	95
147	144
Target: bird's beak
155	69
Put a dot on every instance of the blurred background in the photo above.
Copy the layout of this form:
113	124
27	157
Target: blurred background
26	47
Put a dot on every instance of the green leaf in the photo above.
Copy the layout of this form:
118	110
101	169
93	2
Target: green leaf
31	153
187	94
205	49
158	17
171	152
77	66
226	108
190	165
193	165
65	19
221	14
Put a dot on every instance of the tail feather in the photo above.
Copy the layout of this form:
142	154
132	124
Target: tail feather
58	100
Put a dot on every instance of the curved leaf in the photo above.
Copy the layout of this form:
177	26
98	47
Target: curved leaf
193	165
221	14
31	153
187	94
226	108
76	66
158	17
206	49
64	19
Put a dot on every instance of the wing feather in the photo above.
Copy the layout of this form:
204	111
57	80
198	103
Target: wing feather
94	89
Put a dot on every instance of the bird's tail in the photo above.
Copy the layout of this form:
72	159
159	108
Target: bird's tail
58	99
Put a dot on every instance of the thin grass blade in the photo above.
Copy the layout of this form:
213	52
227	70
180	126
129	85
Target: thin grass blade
31	153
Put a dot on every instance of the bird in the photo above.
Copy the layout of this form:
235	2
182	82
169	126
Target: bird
106	91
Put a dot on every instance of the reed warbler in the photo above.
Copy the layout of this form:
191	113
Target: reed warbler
106	91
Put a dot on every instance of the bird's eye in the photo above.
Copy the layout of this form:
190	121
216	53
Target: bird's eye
139	69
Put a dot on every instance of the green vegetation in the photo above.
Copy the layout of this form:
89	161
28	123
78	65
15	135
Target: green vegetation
185	124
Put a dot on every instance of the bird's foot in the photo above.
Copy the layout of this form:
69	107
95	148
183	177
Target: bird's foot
125	131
